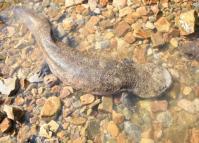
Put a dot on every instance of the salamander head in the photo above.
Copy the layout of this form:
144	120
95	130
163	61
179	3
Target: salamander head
153	80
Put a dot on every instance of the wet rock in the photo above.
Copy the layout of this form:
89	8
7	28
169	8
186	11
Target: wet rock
127	113
103	2
67	24
10	30
2	116
2	58
149	25
189	106
93	129
90	26
9	86
55	89
77	104
112	129
1	24
69	3
78	120
106	105
165	3
158	106
165	118
95	103
132	131
119	3
66	91
5	125
108	14
186	105
102	44
176	134
35	78
187	90
50	80
174	42
24	84
80	9
162	25
93	21
97	11
157	131
45	132
45	3
194	135
121	28
157	39
106	24
129	38
149	2
121	138
51	107
106	138
24	134
53	126
125	11
139	54
14	113
144	104
79	140
52	12
139	32
87	99
186	22
92	4
53	140
196	104
184	118
60	2
7	139
146	140
147	133
118	118
142	11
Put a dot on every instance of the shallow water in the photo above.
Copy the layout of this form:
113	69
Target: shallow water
171	118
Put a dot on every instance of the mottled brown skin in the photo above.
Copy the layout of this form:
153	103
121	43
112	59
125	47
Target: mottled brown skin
94	75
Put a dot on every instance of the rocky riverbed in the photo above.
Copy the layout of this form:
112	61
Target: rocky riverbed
35	109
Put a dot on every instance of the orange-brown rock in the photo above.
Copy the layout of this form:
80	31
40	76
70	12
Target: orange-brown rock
162	24
103	2
129	38
194	136
121	28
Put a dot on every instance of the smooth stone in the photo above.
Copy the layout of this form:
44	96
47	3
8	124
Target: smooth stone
133	131
15	113
51	107
9	86
165	118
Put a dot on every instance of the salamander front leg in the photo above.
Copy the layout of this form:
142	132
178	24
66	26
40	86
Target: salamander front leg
44	70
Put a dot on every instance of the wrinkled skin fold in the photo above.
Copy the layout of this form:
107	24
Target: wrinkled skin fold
98	76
